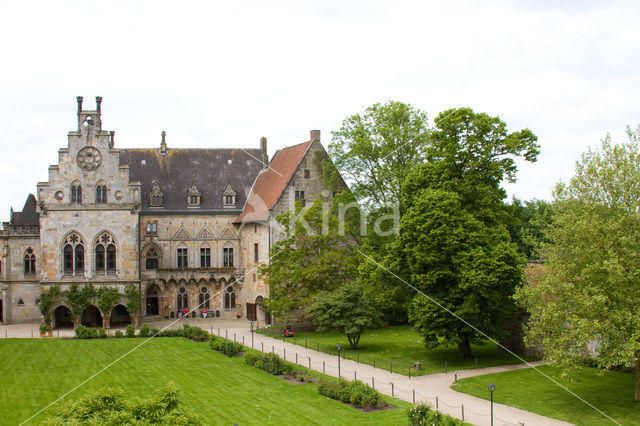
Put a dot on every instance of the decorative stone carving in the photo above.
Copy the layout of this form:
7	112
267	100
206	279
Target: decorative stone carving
193	195
156	194
89	158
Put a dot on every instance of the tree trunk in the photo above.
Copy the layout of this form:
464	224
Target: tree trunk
464	349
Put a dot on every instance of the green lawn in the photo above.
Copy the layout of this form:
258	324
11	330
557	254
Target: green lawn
611	393
401	346
35	372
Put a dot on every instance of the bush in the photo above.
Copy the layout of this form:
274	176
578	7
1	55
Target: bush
195	333
155	331
102	333
356	393
171	333
144	331
271	363
422	414
130	331
83	332
119	334
251	358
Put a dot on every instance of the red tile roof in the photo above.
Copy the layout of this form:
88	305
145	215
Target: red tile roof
271	182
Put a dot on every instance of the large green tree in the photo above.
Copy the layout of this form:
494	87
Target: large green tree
587	303
313	257
452	235
346	310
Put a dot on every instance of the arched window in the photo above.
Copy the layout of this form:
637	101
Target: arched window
151	259
73	254
29	261
101	193
203	299
230	298
76	193
105	253
183	300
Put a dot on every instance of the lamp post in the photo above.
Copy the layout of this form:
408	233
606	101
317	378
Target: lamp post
251	323
338	346
492	387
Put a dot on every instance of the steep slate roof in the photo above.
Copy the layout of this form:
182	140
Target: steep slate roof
28	216
272	182
179	168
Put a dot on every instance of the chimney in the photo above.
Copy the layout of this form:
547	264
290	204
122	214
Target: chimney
315	136
111	138
79	99
99	109
163	144
263	149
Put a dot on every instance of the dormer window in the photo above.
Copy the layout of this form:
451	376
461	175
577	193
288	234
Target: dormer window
229	196
155	196
193	196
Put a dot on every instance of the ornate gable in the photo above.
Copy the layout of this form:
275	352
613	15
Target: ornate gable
156	195
182	235
205	234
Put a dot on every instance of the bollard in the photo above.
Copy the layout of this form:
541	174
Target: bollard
414	397
309	362
317	347
242	340
32	334
284	354
391	367
374	362
455	377
226	334
462	407
392	395
5	334
234	337
211	330
273	349
296	357
218	331
262	343
294	339
409	373
323	369
58	333
436	402
305	343
476	362
373	383
445	367
355	377
358	357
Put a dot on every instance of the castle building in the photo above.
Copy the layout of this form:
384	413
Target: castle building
187	227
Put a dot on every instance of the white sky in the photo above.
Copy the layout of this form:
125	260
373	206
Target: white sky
223	74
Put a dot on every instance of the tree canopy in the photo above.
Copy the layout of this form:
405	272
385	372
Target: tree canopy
586	305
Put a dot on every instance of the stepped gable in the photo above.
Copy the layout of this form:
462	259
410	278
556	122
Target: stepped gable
272	182
176	170
28	216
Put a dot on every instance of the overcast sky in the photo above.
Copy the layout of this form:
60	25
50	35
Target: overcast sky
223	74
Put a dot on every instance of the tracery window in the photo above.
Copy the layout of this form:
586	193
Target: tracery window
105	253
230	298
101	194
29	261
76	193
204	299
182	301
73	254
151	259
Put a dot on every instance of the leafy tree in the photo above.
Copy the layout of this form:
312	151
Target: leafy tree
375	150
107	298
345	310
314	257
452	234
47	299
133	298
465	265
587	303
79	299
527	222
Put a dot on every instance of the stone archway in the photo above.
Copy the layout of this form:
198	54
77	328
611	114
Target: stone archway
61	317
119	316
152	300
261	313
91	317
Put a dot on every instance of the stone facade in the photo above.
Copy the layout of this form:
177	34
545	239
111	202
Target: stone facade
172	222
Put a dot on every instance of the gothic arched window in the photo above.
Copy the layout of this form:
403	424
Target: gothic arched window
105	253
76	193
183	300
151	259
29	261
230	298
73	254
203	299
101	193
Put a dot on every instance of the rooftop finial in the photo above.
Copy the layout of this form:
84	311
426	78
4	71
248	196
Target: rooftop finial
79	99
163	143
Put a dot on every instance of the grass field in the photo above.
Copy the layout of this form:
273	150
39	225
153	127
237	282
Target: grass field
402	346
611	393
35	372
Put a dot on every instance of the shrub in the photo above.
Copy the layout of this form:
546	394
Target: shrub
102	333
356	393
144	331
44	327
195	333
130	331
422	414
331	388
251	358
171	333
119	334
271	363
155	331
82	332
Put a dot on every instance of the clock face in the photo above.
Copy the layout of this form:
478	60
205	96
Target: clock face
89	158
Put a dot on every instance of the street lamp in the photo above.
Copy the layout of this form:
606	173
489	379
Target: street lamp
338	346
492	387
251	323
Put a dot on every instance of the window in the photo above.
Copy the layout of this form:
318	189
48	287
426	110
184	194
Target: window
151	259
227	261
255	252
152	227
205	257
230	298
228	200
229	196
105	253
29	262
193	196
101	194
183	255
307	174
299	196
76	193
203	299
182	301
73	254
